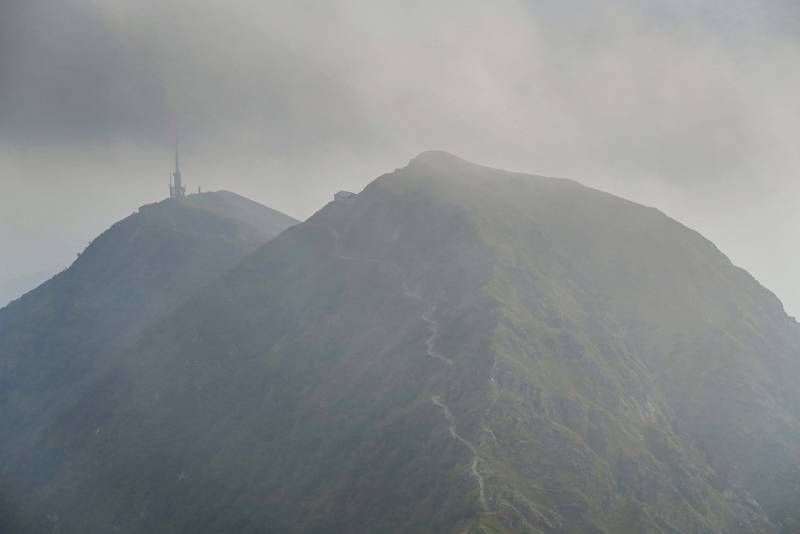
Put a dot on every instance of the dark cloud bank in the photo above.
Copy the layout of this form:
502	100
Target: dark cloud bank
688	106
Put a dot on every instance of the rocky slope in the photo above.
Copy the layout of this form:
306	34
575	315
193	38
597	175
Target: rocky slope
456	349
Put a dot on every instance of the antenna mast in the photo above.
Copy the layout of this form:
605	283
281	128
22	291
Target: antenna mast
176	188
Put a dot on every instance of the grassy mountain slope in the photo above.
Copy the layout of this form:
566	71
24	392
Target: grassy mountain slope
457	349
55	339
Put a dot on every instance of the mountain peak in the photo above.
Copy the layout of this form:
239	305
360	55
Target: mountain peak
443	161
437	156
70	330
438	163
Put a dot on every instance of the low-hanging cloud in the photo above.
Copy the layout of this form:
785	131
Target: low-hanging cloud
689	106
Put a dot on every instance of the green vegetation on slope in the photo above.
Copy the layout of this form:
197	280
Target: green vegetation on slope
57	339
457	349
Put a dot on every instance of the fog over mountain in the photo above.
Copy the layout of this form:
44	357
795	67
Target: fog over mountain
455	349
687	106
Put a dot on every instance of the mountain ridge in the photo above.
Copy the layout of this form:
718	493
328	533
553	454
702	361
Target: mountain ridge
454	349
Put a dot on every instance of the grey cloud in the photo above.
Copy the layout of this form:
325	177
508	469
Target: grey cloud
690	106
671	88
68	78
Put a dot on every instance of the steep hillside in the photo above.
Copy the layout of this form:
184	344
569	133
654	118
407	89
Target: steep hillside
455	349
56	338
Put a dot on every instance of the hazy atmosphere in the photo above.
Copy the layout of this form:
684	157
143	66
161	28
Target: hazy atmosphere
375	297
690	107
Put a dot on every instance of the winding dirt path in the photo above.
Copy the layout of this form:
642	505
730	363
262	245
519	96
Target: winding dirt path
452	429
430	344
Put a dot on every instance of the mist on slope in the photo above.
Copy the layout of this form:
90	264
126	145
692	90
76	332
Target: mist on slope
690	107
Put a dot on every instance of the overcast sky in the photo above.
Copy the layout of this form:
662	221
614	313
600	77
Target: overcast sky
692	107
